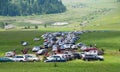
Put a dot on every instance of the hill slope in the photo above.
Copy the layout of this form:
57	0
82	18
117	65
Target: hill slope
96	14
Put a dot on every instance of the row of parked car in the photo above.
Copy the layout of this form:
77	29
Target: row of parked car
75	55
20	58
52	58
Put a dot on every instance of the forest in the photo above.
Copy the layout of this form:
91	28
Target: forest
30	7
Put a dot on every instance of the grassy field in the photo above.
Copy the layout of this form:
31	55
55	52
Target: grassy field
76	66
108	40
104	39
9	40
99	14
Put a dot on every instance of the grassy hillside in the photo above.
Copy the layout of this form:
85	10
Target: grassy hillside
9	40
94	14
97	13
109	21
108	40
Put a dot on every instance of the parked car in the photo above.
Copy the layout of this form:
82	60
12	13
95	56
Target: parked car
36	39
70	55
55	59
41	51
77	55
82	54
24	43
9	54
6	59
36	48
67	46
31	58
93	57
65	56
19	58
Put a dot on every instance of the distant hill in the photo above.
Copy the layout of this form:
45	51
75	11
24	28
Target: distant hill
29	7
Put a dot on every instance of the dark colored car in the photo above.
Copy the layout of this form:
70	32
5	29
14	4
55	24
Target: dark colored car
55	59
93	57
5	59
77	56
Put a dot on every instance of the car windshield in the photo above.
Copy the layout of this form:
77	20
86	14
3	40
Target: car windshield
18	57
36	47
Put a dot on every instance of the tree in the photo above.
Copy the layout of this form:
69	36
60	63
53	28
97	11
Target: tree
29	7
118	0
45	25
36	27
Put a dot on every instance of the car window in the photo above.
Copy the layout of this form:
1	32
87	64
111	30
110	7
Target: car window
19	56
30	56
58	58
54	59
4	59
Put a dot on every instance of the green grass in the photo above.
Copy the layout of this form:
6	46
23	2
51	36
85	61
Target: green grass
74	66
104	39
11	39
109	40
74	16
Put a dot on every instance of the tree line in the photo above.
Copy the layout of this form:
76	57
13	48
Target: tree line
118	0
30	7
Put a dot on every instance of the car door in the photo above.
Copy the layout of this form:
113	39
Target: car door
29	58
58	59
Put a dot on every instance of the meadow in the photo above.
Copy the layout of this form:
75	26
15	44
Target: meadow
108	40
101	15
98	15
10	40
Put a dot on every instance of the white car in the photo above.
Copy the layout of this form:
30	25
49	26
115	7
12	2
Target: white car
31	58
41	51
36	48
25	58
64	56
19	58
36	39
67	46
74	46
9	54
60	55
25	43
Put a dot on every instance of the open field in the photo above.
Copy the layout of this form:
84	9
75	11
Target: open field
10	40
98	14
76	66
109	40
101	15
104	39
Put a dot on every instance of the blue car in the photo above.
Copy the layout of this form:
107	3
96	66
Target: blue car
6	59
55	59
